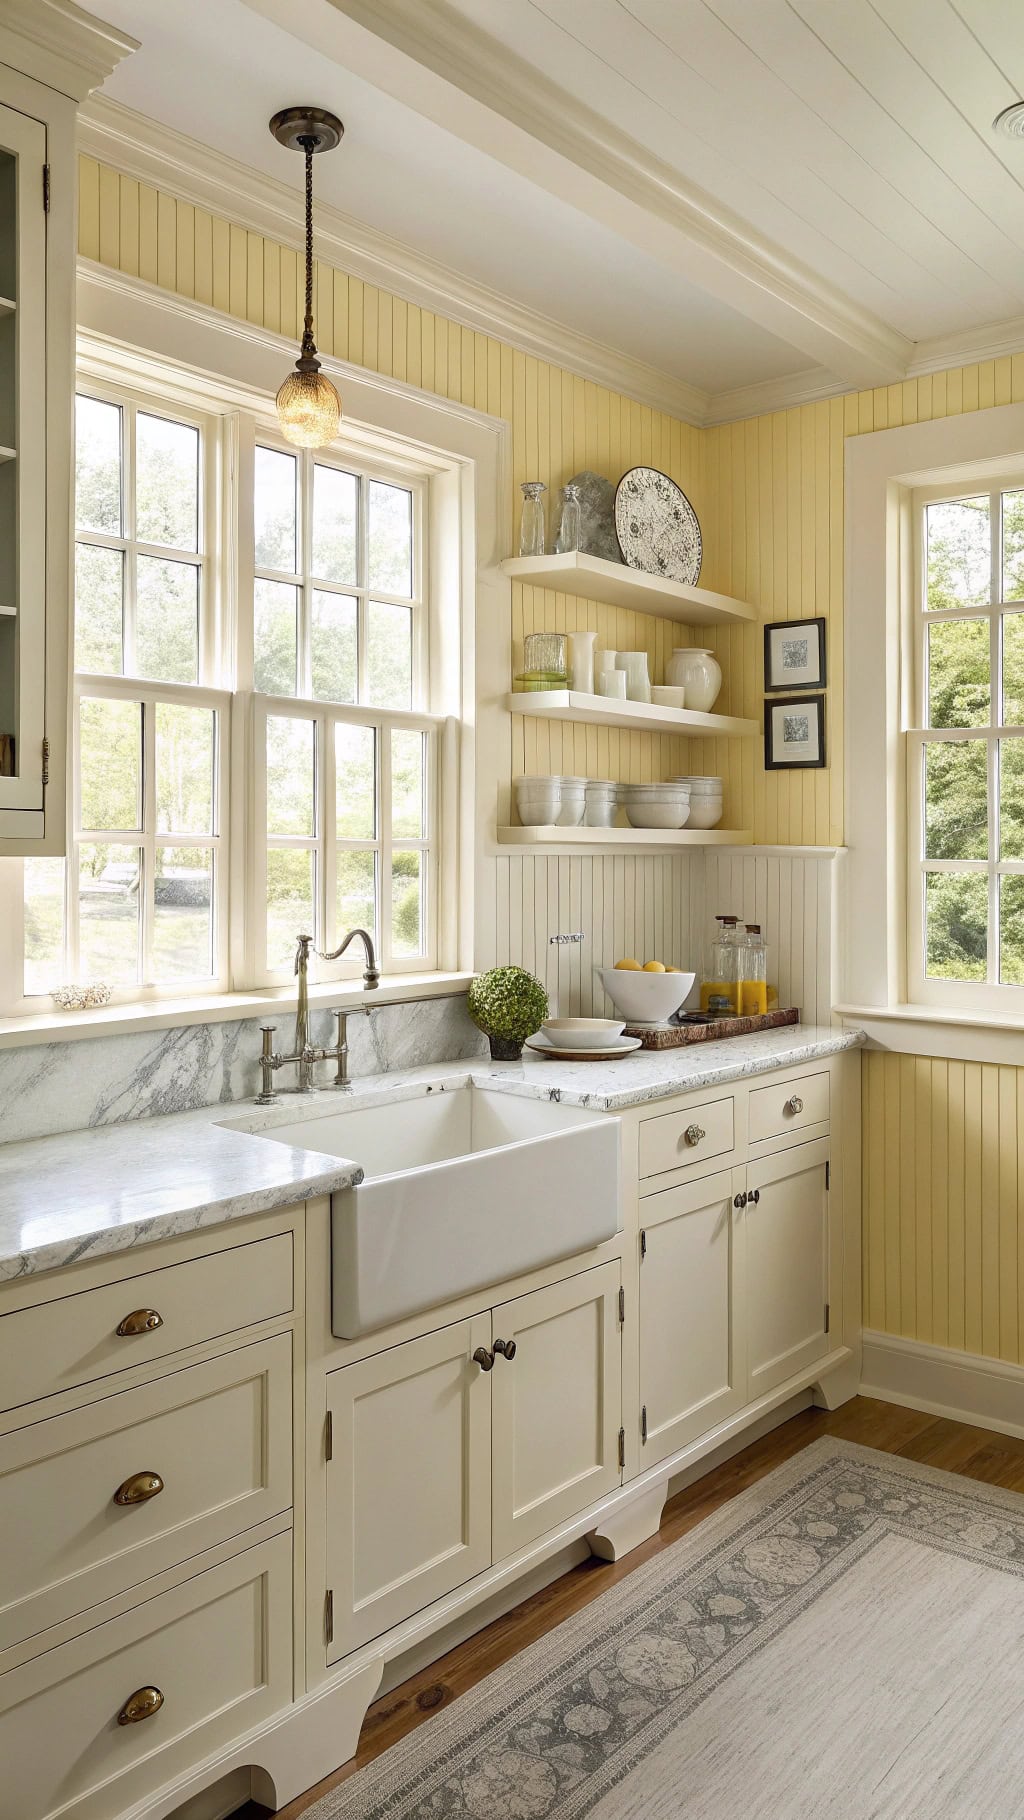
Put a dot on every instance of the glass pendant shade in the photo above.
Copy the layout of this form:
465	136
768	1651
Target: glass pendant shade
308	410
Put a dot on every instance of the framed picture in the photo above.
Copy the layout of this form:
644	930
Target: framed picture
794	655
794	733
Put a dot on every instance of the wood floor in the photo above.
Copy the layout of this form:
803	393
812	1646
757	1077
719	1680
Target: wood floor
951	1446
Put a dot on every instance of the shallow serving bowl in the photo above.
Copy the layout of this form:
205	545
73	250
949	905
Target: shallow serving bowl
645	998
582	1032
668	695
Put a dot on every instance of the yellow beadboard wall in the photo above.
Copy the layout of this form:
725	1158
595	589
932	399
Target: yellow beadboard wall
943	1156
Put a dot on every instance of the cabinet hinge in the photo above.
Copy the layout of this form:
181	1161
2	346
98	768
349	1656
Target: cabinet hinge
622	1304
828	1316
828	1177
643	1424
329	1437
643	1244
329	1616
622	1449
46	761
46	189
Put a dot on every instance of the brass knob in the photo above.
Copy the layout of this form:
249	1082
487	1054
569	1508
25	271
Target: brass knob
793	1105
484	1359
507	1348
694	1134
142	1704
141	1320
139	1488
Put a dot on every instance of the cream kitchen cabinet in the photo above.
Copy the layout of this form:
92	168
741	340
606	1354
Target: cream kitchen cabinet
786	1223
458	1448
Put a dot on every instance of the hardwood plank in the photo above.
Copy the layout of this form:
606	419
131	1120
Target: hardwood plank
952	1446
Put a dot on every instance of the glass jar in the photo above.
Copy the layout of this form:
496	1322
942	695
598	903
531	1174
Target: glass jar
531	524
720	987
546	659
753	973
568	538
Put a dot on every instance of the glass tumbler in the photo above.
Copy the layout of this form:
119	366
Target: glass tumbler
568	538
531	525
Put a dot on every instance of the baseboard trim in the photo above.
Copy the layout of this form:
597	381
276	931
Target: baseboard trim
986	1393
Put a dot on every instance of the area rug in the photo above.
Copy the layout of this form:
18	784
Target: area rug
846	1638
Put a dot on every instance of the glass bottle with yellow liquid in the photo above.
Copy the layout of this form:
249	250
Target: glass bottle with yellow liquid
720	987
753	957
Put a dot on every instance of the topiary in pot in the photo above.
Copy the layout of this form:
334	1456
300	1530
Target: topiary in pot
508	1005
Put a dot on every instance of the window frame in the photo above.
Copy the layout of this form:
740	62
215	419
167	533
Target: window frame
990	994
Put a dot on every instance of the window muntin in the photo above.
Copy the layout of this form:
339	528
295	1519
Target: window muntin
966	750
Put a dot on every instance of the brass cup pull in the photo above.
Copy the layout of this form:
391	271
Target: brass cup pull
140	1705
141	1320
507	1349
484	1359
694	1134
794	1105
139	1488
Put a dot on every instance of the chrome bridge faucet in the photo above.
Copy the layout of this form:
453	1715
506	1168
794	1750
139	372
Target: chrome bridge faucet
305	1053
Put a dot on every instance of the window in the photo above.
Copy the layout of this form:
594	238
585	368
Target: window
966	750
340	628
234	597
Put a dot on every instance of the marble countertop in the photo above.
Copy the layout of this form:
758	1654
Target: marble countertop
86	1193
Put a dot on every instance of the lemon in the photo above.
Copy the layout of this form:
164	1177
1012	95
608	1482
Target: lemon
673	970
655	967
628	966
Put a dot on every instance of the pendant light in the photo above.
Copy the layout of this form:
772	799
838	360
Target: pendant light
308	406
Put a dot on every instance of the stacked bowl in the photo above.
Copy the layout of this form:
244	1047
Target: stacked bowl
664	805
706	800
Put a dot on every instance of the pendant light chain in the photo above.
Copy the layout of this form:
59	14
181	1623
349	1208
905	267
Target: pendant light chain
308	344
308	405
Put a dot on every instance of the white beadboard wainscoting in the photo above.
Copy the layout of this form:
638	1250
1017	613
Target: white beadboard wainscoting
662	907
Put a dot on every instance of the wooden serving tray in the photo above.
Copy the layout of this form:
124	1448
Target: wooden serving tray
673	1036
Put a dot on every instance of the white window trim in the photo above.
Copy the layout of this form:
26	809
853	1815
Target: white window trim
130	333
883	469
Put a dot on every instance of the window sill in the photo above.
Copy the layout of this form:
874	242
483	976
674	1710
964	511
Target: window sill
221	1007
973	1036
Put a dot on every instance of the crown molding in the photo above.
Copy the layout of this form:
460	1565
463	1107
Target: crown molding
990	342
784	394
171	161
59	44
448	69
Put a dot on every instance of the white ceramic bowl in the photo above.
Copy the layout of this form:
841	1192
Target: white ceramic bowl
573	802
582	1032
538	801
668	695
656	805
705	812
645	998
701	786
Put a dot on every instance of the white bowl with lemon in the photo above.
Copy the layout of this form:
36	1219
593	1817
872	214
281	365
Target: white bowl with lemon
646	994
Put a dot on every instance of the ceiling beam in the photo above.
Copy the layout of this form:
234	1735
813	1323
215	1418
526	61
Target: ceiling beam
429	57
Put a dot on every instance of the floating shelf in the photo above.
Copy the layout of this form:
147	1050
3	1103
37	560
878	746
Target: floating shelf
7	306
8	454
628	840
600	711
617	585
8	612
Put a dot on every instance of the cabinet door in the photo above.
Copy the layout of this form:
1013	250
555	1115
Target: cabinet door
787	1264
691	1364
556	1405
408	1487
22	467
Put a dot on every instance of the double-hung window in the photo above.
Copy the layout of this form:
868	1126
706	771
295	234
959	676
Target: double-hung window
966	749
345	800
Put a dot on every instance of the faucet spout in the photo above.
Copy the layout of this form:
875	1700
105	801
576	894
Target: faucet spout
371	972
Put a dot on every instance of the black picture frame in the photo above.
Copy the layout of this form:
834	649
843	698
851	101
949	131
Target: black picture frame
814	626
816	704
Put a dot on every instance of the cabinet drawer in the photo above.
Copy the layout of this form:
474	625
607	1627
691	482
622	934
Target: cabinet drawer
676	1138
218	1649
788	1107
76	1339
199	1456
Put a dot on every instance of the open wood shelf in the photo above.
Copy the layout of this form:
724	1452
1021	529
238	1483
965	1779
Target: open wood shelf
642	716
617	585
624	840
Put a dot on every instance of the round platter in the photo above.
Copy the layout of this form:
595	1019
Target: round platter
657	527
613	1053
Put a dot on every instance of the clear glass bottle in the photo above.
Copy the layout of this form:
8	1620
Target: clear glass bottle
568	538
531	524
753	973
720	987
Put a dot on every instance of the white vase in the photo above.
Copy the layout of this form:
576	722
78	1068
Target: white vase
582	662
699	673
638	682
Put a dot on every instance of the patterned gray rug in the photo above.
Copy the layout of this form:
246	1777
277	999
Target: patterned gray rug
844	1639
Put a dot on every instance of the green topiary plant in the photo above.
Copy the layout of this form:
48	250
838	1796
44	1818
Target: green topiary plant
508	1005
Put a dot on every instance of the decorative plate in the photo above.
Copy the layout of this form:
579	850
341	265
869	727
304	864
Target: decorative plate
624	1045
657	526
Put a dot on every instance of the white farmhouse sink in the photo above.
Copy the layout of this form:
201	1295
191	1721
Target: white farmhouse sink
463	1188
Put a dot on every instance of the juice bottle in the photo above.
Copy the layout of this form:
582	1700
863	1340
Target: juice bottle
720	989
753	973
